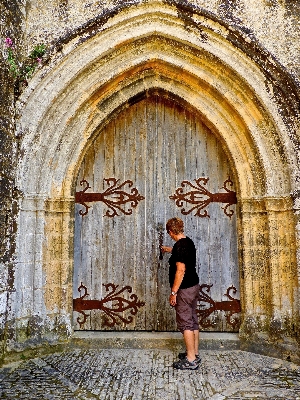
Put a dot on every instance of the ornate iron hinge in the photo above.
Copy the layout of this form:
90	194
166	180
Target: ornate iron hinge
113	197
113	305
231	306
199	197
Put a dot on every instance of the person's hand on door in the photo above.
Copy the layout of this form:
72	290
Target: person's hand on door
166	249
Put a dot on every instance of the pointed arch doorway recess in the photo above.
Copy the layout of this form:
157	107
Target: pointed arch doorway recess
147	152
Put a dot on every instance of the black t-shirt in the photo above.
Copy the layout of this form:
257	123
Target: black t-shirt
184	251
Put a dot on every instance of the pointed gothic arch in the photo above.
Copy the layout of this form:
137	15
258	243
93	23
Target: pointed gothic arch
69	101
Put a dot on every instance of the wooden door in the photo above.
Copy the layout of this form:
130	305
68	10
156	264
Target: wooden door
132	179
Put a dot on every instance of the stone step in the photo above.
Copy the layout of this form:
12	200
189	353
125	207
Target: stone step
152	340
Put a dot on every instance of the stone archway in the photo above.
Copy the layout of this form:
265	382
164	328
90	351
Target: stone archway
79	93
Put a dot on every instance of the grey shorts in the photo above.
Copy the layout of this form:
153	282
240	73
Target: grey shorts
186	305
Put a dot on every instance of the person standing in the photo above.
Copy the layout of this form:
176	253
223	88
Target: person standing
184	283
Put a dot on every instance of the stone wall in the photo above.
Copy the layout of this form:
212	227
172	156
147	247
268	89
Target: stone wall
272	23
228	60
11	25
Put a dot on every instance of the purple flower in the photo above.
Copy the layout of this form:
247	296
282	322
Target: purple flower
39	60
9	42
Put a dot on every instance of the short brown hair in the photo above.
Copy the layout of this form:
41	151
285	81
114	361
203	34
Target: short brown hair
175	225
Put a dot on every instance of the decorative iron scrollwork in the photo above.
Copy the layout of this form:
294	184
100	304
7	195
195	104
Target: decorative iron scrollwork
231	306
113	305
113	197
199	197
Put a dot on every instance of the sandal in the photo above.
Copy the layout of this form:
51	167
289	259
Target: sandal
182	356
185	364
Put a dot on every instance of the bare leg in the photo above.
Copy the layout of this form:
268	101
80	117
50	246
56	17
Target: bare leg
196	339
189	339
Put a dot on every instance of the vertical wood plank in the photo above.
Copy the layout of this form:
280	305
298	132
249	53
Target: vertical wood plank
157	144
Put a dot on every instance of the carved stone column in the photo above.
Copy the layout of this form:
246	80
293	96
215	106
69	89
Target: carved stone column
283	283
43	298
269	279
255	266
58	257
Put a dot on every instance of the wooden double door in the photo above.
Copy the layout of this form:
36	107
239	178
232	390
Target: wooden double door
154	161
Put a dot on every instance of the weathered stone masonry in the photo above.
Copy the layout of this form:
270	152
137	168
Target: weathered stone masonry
11	24
225	61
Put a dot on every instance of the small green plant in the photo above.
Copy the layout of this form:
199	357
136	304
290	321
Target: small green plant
24	70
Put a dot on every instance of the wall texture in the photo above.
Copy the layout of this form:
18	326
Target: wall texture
272	23
235	62
11	25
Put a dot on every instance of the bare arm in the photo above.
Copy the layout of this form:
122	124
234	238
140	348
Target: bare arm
180	271
166	249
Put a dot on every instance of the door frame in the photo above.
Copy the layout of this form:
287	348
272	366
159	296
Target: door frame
237	106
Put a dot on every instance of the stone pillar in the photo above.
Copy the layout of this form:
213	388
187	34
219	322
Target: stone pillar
296	211
255	266
269	279
58	257
29	308
283	269
43	298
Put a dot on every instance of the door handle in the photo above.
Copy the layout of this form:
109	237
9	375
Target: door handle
160	239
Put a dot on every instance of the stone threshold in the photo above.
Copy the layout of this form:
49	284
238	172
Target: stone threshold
152	340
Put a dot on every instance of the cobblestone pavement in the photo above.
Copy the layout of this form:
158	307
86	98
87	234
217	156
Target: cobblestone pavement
148	374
